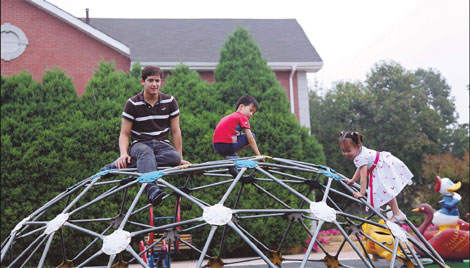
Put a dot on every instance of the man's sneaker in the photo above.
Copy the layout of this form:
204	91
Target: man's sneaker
233	171
155	195
108	167
132	164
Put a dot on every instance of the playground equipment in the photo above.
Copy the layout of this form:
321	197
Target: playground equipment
72	213
159	254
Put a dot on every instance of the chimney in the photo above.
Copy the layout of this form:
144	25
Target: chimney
87	19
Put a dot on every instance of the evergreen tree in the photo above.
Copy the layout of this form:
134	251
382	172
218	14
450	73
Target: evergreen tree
242	71
51	139
199	112
35	160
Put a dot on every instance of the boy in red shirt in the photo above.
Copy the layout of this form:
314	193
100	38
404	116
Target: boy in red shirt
228	139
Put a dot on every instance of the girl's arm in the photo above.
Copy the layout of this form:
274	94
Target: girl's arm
355	177
362	173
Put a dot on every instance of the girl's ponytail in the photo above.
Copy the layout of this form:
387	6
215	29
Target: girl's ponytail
358	137
354	136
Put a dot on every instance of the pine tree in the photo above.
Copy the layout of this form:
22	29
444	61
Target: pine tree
199	112
243	71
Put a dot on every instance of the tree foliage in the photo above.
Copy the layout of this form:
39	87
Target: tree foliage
446	166
199	112
242	71
51	139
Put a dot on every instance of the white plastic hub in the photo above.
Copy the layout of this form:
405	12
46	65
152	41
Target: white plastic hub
20	224
116	242
56	223
397	231
322	211
217	215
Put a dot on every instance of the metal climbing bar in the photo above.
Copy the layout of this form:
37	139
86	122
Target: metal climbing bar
298	185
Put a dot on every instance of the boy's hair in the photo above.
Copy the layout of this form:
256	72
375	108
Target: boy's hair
151	70
247	100
354	136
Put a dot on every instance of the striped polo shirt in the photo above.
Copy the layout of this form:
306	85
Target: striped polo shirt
150	122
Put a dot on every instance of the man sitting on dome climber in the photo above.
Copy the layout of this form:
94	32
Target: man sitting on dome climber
147	119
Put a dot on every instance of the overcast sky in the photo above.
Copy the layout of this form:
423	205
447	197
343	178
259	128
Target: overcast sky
349	35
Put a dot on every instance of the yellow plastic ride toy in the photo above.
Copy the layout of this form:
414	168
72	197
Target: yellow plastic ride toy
384	237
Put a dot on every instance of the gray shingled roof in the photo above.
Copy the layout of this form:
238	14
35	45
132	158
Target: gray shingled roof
200	40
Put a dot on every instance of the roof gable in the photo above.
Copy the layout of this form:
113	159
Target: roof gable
198	42
80	25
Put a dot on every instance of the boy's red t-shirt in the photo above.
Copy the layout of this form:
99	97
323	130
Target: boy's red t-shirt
225	131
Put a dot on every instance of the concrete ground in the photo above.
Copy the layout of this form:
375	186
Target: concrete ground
347	258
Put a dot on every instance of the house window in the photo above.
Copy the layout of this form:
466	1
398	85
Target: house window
14	42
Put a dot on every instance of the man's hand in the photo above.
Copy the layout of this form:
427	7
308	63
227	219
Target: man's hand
122	161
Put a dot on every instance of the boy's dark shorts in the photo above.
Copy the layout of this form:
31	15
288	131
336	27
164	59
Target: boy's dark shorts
229	149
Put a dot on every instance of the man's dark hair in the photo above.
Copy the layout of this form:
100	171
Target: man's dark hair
151	70
247	100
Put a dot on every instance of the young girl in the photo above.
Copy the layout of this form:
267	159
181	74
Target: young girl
387	174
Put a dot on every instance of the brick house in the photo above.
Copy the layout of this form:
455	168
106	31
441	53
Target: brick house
52	37
45	36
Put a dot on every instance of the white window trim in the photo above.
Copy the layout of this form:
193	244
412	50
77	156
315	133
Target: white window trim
22	42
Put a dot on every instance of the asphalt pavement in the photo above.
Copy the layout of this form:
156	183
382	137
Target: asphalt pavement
346	259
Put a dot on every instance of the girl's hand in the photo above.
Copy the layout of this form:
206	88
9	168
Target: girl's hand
350	181
358	195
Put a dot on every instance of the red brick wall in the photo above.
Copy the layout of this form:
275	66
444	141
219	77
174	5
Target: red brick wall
207	76
53	42
283	78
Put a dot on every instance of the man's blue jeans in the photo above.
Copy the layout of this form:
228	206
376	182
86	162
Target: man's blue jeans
147	155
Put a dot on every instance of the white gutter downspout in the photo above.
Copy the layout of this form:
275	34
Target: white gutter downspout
291	88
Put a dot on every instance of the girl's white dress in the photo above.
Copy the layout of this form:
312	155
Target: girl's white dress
389	177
